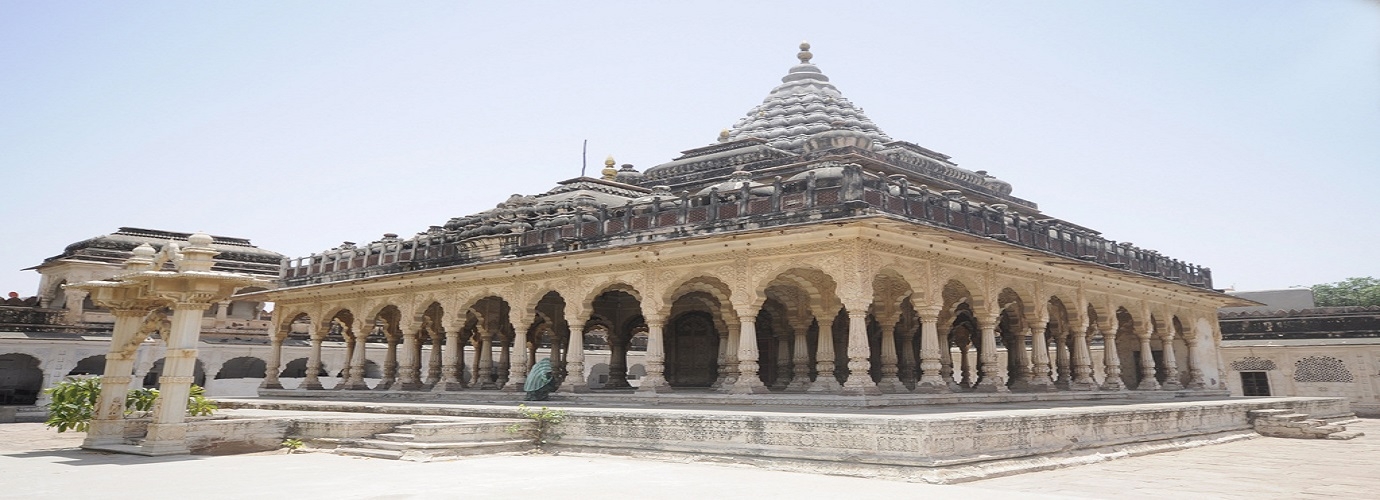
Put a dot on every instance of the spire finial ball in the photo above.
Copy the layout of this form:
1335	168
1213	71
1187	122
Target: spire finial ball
805	54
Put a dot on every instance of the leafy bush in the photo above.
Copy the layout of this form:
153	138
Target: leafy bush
546	420
74	403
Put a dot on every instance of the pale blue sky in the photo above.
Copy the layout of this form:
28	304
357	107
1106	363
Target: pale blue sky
1241	135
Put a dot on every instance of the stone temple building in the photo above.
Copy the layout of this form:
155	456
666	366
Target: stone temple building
805	251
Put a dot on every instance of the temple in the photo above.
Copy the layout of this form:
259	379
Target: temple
804	252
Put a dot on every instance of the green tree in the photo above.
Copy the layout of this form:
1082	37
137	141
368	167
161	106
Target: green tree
1348	292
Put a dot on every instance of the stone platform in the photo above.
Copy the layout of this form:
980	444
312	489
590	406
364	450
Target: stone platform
936	443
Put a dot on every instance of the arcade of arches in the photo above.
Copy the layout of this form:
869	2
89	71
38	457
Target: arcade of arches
853	308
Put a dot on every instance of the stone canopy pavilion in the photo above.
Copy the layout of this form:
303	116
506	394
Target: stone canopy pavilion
805	251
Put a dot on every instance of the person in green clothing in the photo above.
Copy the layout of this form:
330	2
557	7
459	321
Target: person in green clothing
540	384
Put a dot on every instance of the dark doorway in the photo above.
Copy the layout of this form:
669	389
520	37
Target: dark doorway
693	352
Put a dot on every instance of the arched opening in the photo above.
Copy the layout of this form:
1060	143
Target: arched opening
243	367
151	378
297	368
618	312
90	365
692	350
21	379
1128	348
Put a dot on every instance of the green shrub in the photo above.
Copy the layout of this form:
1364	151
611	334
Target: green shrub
74	403
545	419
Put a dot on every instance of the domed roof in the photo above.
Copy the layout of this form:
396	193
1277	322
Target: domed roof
803	105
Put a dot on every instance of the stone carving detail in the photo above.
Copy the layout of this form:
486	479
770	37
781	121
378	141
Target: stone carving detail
1253	364
1321	369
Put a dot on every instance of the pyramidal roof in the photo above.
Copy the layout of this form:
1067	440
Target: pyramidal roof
804	104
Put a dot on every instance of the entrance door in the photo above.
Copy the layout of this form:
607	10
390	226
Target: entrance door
694	351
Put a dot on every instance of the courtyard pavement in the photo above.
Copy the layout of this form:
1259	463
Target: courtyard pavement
36	462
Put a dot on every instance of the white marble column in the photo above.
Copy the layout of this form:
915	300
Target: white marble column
575	353
859	381
800	356
1147	361
355	382
1171	365
108	420
1039	350
167	432
655	381
890	381
748	380
825	381
931	363
517	363
312	380
275	362
1112	369
409	372
988	361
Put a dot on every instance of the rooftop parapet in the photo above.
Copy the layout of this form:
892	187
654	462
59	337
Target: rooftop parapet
825	191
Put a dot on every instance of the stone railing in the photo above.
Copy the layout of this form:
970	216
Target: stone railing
854	193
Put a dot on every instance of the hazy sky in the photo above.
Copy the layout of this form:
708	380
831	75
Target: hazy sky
1240	135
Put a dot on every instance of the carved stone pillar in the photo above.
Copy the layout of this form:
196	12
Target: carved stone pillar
618	360
748	380
575	352
908	366
730	366
988	362
800	356
275	362
504	366
390	363
890	382
1082	360
167	432
75	302
486	360
1018	360
931	363
451	353
783	361
1195	370
655	381
517	365
355	382
859	381
312	380
1171	365
1112	371
721	378
1063	361
108	419
825	381
1147	360
409	364
1039	350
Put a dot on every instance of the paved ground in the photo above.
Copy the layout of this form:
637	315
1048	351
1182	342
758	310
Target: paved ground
36	462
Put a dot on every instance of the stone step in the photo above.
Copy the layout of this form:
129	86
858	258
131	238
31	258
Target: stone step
396	436
407	428
1267	412
1287	417
401	446
1344	435
370	453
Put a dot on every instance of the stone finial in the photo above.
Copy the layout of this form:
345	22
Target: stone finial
723	135
609	171
805	54
200	240
143	258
